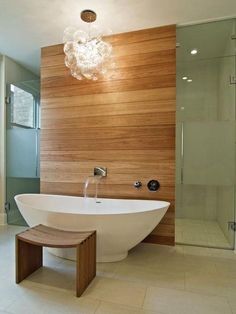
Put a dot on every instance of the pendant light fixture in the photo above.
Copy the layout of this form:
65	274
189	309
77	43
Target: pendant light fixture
87	54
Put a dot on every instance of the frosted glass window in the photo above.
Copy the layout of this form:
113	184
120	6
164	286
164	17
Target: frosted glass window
23	106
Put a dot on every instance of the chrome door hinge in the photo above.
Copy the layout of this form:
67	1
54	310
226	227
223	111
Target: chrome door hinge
232	225
232	79
7	100
7	206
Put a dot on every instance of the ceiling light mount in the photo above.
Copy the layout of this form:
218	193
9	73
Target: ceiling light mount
194	51
88	16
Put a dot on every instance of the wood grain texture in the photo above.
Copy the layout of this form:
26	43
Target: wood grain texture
50	237
29	255
124	121
29	258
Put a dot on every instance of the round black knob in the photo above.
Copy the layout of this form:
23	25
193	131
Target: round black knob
153	185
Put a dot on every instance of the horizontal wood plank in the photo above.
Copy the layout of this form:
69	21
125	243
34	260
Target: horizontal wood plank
133	120
153	155
159	94
88	87
110	109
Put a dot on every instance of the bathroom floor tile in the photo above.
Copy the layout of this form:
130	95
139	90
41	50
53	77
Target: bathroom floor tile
107	269
196	251
226	268
196	280
111	308
170	301
117	291
9	293
232	303
37	300
229	254
211	284
59	278
150	277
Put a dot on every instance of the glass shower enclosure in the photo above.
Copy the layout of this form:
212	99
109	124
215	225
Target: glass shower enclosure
22	145
205	134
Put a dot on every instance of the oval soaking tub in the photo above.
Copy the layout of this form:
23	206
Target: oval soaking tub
120	223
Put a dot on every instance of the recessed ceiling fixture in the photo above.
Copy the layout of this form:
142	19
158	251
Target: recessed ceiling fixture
189	80
184	78
87	55
194	51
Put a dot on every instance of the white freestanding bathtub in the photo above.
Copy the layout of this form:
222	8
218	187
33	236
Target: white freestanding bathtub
120	224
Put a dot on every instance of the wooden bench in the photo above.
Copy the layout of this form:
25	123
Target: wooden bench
29	252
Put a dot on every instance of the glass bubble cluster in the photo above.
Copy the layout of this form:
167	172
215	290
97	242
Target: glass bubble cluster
87	55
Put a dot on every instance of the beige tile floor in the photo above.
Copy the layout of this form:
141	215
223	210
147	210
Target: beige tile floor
152	279
200	232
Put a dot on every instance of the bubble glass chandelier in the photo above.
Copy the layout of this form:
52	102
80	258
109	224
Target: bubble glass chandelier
87	55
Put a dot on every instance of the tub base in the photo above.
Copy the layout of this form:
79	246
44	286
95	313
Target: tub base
70	254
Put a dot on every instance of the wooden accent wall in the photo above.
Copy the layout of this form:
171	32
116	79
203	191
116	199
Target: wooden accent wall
125	123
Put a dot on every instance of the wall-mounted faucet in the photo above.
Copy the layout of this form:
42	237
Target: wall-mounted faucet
98	174
100	171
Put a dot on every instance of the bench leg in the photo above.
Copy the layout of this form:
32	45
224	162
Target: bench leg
29	258
85	264
92	256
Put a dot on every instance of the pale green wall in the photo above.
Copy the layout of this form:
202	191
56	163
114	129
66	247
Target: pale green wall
17	73
18	186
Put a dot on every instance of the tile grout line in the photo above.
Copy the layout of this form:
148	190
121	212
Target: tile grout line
230	307
142	306
99	303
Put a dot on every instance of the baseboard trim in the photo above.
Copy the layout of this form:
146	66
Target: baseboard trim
163	240
3	219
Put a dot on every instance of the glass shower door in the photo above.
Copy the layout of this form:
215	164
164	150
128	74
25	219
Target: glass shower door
205	181
22	146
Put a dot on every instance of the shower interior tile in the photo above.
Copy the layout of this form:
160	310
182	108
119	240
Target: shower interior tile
200	232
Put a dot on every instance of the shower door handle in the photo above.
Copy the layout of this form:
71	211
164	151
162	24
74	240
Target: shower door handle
37	153
182	155
232	79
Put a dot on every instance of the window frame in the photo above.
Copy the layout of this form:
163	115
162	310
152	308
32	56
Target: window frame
14	124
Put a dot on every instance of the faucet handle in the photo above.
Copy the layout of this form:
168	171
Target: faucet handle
100	171
153	185
137	184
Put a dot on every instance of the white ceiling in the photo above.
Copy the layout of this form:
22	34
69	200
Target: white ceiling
28	25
